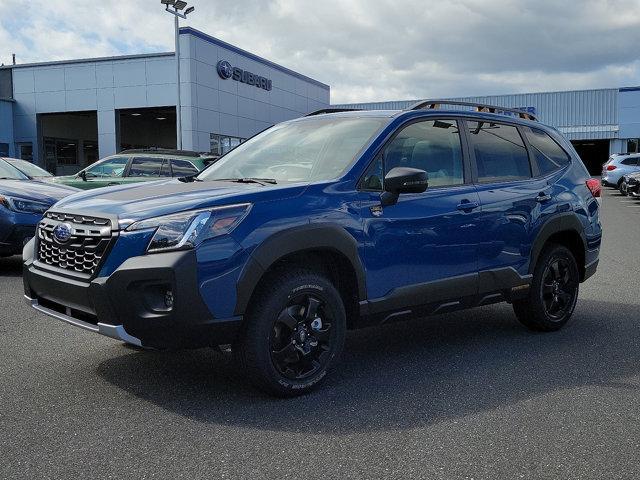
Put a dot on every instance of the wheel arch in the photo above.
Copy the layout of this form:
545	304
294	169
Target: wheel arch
566	230
328	246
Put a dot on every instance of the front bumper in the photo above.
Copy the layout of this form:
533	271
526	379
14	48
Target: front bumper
151	301
114	331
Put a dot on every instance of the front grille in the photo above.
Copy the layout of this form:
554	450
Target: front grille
85	248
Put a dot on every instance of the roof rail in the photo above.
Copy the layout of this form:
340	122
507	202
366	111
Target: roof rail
480	107
164	151
332	110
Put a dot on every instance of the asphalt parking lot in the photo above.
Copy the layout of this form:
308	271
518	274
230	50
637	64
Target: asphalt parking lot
465	395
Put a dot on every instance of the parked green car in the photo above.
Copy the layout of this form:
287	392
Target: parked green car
132	166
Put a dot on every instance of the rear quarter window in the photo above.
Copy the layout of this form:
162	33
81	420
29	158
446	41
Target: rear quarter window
183	168
547	153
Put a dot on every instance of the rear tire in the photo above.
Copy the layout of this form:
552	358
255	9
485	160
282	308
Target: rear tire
623	189
293	333
553	293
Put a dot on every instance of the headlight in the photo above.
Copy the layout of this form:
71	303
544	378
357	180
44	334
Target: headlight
188	229
22	205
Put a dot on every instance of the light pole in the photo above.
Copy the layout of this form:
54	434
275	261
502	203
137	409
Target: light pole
175	10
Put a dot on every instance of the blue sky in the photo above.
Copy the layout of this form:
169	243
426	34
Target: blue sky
367	50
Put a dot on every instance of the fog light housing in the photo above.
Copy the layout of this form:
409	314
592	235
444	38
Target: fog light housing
168	299
155	298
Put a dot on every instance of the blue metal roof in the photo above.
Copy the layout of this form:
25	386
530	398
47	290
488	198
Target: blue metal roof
579	114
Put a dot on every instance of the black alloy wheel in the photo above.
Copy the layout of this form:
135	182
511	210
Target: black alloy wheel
558	290
301	340
553	292
293	332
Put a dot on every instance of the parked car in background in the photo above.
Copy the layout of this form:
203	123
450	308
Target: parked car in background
631	185
22	203
324	223
617	167
28	168
132	166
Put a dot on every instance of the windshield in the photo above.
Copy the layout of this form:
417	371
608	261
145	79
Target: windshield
302	151
9	172
29	168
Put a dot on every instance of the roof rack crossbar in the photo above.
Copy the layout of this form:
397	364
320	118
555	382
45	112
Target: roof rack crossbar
164	151
480	107
332	110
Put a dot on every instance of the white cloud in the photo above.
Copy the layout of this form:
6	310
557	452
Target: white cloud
367	50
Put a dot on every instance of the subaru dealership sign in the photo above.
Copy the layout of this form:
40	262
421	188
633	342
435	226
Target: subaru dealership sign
226	71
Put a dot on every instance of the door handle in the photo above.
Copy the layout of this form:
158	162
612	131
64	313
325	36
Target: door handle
543	197
467	206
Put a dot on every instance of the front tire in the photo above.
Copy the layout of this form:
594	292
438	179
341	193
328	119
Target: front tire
553	293
293	334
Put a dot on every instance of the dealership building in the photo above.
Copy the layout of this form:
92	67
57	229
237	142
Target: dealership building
65	115
598	122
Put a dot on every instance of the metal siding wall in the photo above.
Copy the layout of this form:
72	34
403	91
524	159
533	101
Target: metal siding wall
6	125
597	110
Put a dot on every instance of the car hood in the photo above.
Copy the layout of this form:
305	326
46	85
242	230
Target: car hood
137	201
35	190
57	178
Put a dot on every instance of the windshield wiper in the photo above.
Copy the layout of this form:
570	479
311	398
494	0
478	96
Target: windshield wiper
261	181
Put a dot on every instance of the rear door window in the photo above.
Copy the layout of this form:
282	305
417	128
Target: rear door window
632	161
148	167
499	152
548	154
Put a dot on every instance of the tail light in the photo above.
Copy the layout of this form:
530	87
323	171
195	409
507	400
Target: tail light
611	167
594	186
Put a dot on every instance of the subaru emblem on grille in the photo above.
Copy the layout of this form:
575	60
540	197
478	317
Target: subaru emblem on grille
62	232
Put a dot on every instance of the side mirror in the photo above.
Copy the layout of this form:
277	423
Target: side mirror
83	175
403	180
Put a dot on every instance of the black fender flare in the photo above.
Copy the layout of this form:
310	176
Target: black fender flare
297	239
561	223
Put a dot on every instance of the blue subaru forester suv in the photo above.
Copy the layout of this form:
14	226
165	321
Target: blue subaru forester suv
318	225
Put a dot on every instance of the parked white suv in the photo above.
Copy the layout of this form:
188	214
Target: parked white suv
618	166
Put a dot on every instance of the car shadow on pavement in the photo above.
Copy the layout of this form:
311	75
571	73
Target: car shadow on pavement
401	376
11	266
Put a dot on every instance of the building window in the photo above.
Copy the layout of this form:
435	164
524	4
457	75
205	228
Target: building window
221	144
60	152
25	151
64	151
632	145
4	149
